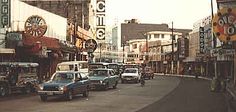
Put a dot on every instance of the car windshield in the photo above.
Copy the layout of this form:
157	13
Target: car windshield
63	77
99	73
130	71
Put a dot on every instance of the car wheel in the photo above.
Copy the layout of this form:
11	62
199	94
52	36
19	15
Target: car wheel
114	87
86	92
27	89
43	98
69	95
122	81
106	87
3	90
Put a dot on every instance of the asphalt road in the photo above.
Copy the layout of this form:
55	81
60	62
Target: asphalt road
190	96
126	98
162	94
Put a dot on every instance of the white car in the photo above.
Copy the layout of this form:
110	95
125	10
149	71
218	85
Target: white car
131	74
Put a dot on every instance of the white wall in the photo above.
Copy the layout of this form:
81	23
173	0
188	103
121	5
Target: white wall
20	11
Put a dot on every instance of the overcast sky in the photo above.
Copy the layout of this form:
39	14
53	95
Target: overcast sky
182	12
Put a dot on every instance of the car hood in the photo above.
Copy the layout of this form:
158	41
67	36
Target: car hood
97	78
129	74
56	83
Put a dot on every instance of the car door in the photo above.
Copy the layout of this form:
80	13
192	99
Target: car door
84	81
112	77
78	83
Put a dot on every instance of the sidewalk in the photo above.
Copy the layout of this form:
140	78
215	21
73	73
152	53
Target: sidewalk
231	90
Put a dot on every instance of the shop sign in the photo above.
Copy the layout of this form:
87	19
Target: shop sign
224	24
35	26
217	52
5	13
100	17
90	45
201	40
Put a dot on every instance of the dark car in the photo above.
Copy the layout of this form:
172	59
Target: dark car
65	83
103	78
148	73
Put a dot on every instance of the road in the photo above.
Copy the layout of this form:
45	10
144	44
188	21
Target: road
162	94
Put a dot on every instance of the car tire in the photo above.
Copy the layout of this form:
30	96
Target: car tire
106	87
3	90
43	98
86	92
122	81
115	86
69	95
27	89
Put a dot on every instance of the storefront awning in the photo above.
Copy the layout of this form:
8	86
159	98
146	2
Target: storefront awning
50	43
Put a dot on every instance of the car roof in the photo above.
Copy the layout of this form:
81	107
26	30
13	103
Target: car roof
103	69
68	72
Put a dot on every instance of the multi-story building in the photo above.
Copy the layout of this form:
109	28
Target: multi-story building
155	44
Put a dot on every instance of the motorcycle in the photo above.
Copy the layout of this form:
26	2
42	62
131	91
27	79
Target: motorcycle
142	81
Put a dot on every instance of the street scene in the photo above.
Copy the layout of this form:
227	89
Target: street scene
117	56
162	94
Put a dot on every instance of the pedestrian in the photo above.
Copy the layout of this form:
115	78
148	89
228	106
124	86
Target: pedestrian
190	70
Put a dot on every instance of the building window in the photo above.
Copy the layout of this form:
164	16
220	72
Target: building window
135	46
156	35
162	35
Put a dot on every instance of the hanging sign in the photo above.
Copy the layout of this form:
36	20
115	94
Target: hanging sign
5	13
224	24
100	17
201	40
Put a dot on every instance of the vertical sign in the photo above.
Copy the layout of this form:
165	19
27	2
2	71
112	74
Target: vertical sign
100	17
181	47
5	13
201	40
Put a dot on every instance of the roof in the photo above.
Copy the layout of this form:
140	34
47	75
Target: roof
19	64
136	31
130	31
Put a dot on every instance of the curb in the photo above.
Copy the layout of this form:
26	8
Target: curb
188	76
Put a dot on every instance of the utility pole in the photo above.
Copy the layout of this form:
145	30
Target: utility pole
146	57
172	43
123	45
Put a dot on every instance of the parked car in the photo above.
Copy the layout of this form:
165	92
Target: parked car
131	74
103	78
148	73
65	83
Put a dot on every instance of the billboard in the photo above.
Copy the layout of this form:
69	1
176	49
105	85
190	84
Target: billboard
224	24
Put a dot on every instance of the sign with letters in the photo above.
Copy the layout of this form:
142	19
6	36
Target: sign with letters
5	13
100	17
201	40
224	24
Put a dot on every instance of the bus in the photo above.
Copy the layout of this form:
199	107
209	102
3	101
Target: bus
81	66
18	76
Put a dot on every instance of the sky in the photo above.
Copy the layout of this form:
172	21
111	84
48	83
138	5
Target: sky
183	13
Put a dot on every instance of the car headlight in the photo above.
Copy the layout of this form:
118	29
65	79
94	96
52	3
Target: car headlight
62	88
101	81
40	87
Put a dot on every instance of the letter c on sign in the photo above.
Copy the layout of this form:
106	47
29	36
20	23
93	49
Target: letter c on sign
100	6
